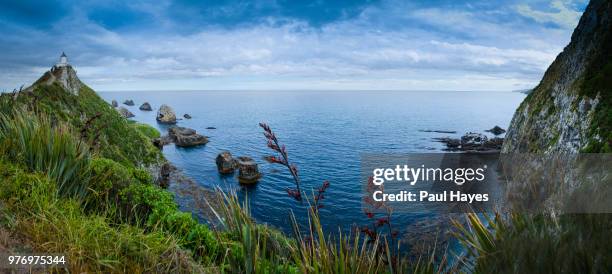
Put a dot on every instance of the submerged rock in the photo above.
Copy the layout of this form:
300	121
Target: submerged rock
225	163
186	137
166	115
145	106
125	112
114	103
211	128
187	116
128	102
450	142
496	130
438	131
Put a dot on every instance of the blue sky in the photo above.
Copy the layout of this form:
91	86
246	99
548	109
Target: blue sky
273	44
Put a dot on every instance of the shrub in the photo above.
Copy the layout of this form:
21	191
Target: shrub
142	175
203	242
108	179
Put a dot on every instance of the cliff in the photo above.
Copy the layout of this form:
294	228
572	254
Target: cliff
571	108
76	180
59	94
65	76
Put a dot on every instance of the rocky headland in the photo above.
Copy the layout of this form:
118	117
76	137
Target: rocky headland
571	108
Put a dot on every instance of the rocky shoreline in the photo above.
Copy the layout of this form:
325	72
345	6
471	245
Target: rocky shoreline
473	142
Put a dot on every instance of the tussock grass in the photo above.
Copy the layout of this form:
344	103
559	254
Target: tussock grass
91	244
260	249
521	243
47	147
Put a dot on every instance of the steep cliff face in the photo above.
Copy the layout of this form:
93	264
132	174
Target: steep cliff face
571	109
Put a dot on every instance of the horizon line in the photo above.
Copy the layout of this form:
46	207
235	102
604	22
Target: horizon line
294	90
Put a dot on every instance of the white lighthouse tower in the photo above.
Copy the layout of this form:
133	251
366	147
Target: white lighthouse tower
63	61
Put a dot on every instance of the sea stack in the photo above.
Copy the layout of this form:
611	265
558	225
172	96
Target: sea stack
166	115
225	163
248	172
145	107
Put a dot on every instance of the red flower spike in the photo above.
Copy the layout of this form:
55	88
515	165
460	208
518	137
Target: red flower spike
394	234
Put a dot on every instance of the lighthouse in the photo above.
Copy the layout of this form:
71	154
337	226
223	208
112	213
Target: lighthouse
63	61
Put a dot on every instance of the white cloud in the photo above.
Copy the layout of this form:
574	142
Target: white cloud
447	49
564	17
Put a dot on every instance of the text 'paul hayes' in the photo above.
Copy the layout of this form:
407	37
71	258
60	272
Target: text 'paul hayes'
404	183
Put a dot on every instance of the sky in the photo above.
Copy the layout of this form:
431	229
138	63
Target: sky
497	45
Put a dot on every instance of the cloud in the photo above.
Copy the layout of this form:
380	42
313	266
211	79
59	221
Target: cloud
564	16
391	45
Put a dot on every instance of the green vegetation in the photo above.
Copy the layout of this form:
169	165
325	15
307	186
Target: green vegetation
44	148
91	242
148	131
75	180
95	121
521	243
598	82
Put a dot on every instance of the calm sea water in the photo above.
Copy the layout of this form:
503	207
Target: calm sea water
324	131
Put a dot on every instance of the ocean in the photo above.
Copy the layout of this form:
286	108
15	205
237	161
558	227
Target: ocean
325	132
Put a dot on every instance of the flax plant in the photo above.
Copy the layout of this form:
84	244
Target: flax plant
48	147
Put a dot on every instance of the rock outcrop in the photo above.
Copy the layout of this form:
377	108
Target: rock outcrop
125	112
114	103
163	180
187	116
145	107
186	137
128	102
496	130
65	76
166	115
569	111
472	142
225	163
162	141
248	172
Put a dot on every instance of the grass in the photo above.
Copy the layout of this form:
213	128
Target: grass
91	242
148	131
96	122
522	243
53	150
